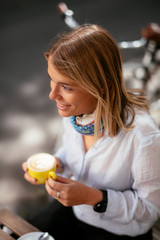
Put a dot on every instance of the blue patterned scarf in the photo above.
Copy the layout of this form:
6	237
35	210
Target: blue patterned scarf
83	129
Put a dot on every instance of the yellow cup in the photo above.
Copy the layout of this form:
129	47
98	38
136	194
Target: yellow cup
41	166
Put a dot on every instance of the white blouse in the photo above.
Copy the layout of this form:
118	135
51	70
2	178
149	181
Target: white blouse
127	166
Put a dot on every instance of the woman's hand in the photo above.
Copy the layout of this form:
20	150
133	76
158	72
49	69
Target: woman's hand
72	192
27	176
59	168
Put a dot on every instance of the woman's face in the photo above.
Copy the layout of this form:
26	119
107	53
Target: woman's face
71	100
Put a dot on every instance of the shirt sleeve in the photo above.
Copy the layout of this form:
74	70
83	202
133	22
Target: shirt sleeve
140	205
61	153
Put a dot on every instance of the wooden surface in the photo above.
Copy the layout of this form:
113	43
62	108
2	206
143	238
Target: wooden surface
15	223
5	236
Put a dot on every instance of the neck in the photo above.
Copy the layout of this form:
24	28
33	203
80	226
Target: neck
85	119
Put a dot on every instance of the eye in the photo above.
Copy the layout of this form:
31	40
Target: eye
66	88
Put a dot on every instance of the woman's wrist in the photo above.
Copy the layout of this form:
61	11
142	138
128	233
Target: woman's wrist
98	199
95	196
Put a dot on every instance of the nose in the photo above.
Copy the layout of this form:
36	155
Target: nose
51	95
54	93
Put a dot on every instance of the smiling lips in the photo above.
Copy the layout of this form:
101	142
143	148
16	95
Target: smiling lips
62	106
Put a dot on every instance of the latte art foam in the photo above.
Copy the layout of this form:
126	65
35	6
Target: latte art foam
41	162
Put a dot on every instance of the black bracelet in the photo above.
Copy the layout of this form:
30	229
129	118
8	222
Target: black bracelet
102	206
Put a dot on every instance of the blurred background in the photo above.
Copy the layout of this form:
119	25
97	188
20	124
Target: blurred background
29	121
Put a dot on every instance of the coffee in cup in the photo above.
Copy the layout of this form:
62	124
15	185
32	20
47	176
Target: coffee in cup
42	166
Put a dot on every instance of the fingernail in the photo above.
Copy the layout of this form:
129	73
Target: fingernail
34	180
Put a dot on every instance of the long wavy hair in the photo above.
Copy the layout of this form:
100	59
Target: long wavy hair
89	57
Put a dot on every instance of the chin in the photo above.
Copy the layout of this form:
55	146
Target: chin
64	114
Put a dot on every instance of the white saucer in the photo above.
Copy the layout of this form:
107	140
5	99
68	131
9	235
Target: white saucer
33	236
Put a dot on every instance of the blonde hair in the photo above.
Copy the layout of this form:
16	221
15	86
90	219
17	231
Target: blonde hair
90	57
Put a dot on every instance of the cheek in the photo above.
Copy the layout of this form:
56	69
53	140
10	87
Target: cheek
90	100
87	104
80	100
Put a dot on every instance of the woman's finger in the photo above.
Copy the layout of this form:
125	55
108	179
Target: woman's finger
27	176
59	184
63	180
30	179
54	185
52	192
24	166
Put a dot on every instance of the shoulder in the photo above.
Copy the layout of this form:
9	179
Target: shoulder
145	128
144	132
147	138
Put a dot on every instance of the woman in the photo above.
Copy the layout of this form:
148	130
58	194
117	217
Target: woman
108	164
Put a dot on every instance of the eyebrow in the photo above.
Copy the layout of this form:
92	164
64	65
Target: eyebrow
59	82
